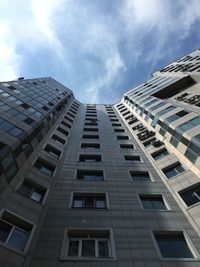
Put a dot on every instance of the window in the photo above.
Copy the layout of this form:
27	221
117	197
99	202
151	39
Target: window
192	152
9	166
172	244
173	170
63	131
66	124
126	146
160	154
175	139
70	114
14	231
191	195
88	244
89	175
190	124
88	136
90	145
32	190
153	202
58	139
122	137
177	116
52	150
91	129
90	158
10	128
44	167
68	119
140	176
89	201
149	142
132	159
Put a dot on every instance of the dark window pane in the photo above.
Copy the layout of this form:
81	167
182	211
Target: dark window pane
89	202
18	239
191	196
173	246
100	202
73	248
78	202
25	189
37	195
88	248
5	229
103	249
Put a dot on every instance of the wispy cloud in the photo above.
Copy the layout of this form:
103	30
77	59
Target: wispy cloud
94	47
10	61
44	13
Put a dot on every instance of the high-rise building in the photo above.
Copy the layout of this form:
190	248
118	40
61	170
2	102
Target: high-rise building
101	185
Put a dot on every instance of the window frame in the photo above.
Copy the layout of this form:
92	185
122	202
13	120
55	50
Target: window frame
30	236
52	154
48	163
26	179
188	241
89	171
173	167
151	178
96	193
132	161
94	156
89	231
166	203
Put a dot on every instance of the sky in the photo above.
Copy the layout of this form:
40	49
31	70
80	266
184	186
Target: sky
97	48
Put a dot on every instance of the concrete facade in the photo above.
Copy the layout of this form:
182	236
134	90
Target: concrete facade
94	185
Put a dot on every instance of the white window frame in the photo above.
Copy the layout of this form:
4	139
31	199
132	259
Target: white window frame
66	240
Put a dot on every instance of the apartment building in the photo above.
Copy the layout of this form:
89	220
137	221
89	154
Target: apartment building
102	185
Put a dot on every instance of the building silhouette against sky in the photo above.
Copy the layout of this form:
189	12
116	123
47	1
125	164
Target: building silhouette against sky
102	185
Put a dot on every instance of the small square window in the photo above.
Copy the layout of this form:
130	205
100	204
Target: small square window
58	139
90	145
132	159
160	154
153	202
94	244
90	129
191	195
88	136
126	146
173	170
119	130
32	191
122	137
52	150
89	175
45	167
172	244
90	158
63	131
15	232
140	176
89	201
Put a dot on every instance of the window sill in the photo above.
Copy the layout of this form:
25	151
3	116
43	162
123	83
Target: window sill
87	259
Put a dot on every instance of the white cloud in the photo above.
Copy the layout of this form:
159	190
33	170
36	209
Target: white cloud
44	13
92	46
10	61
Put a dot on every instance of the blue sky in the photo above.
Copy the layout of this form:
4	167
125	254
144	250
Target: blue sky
97	48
